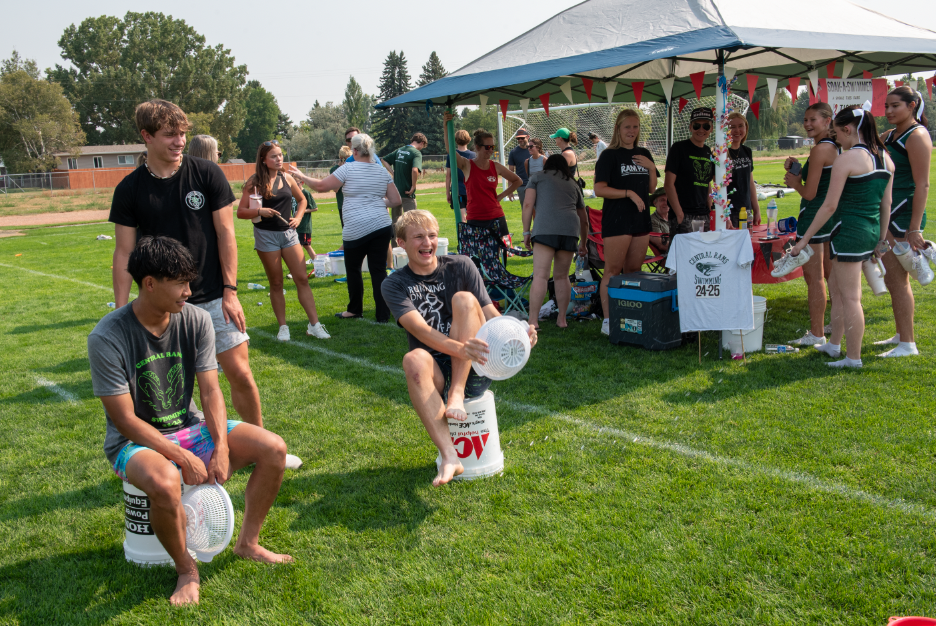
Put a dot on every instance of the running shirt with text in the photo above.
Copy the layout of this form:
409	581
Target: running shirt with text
157	372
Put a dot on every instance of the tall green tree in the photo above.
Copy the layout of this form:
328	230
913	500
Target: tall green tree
358	106
775	120
429	122
36	119
321	135
114	64
261	118
284	126
472	119
393	127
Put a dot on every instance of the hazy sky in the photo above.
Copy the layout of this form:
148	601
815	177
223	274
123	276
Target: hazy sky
303	52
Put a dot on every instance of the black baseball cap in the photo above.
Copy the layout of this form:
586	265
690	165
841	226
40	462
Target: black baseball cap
702	113
522	133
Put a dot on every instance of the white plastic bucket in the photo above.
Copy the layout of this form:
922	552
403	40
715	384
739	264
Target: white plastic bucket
320	265
336	264
442	250
478	443
754	338
140	543
400	259
364	266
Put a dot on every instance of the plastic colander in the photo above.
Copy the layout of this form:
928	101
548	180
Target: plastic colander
209	520
509	344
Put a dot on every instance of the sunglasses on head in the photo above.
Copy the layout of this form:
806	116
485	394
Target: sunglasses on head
703	125
271	143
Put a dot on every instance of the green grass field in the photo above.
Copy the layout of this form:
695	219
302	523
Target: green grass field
639	488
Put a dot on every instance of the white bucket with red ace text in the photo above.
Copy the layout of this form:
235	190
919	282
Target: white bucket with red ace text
477	440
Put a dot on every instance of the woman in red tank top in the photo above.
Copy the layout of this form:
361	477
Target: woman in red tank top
481	178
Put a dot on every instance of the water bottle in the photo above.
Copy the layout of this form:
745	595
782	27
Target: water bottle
742	219
772	216
111	305
255	286
772	348
874	273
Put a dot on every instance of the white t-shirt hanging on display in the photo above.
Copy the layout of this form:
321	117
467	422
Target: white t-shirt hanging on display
713	278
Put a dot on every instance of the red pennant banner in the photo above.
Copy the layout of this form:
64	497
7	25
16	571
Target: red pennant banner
813	98
823	90
929	86
751	86
830	70
899	83
755	109
587	83
638	87
879	95
697	79
682	103
793	87
544	99
865	74
503	106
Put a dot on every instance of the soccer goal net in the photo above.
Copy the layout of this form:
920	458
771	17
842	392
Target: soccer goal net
599	119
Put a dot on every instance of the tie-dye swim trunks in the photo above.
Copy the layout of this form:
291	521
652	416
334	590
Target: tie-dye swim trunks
196	439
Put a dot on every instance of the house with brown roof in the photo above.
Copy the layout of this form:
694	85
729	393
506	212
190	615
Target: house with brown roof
101	157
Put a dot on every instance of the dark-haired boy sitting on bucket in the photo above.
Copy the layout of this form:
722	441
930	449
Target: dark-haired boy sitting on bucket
441	302
145	358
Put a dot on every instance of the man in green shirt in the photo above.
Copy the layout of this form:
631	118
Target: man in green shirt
405	164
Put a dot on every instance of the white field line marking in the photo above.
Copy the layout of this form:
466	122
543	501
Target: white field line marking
64	395
57	277
800	478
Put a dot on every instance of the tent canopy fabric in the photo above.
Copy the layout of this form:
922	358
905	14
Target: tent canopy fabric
632	40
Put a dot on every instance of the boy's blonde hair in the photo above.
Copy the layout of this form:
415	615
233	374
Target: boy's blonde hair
416	217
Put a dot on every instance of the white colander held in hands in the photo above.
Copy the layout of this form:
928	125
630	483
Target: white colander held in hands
209	520
509	347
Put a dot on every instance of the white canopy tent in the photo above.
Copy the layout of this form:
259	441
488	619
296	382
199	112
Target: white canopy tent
616	50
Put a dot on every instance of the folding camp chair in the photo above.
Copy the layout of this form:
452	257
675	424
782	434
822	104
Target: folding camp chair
483	246
595	261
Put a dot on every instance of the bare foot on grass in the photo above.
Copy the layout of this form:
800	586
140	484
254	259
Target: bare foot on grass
447	471
259	553
561	324
186	591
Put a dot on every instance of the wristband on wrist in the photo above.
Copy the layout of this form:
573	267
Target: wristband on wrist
527	232
916	231
231	287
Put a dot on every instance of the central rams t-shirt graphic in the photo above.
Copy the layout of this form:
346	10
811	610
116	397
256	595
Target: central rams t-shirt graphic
713	278
163	392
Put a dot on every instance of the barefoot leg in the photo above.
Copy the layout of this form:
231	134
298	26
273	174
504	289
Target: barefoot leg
467	318
563	287
186	590
425	382
249	444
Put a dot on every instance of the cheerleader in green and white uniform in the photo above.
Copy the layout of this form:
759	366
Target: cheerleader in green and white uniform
812	184
909	146
858	204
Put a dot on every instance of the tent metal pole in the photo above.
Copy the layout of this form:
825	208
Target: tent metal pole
453	164
720	139
669	114
500	145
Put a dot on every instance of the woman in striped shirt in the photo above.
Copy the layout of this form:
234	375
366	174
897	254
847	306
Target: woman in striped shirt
368	191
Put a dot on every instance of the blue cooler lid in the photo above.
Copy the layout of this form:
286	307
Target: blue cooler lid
644	281
336	253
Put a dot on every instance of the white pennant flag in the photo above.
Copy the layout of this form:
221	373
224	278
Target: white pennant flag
772	91
814	79
524	105
483	100
667	84
847	68
566	88
610	86
730	72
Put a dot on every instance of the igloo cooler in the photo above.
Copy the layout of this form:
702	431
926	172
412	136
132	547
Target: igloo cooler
644	311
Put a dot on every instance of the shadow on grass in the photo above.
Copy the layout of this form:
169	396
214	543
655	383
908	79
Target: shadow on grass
67	367
43	395
365	499
91	587
108	491
35	328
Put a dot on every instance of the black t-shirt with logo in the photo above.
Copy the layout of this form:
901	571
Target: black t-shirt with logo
617	168
742	166
694	171
180	207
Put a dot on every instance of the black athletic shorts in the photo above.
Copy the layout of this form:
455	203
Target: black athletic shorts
498	225
474	386
557	242
617	222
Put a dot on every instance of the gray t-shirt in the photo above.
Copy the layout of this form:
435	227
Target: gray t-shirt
431	295
557	201
536	165
157	372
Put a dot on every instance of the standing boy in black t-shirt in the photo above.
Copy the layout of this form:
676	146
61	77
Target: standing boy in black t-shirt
190	200
689	173
517	159
441	302
145	359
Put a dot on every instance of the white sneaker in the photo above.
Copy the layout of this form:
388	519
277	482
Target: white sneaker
808	339
922	270
903	349
830	350
893	341
318	331
788	262
289	276
827	329
293	462
605	327
309	261
846	362
930	251
283	334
